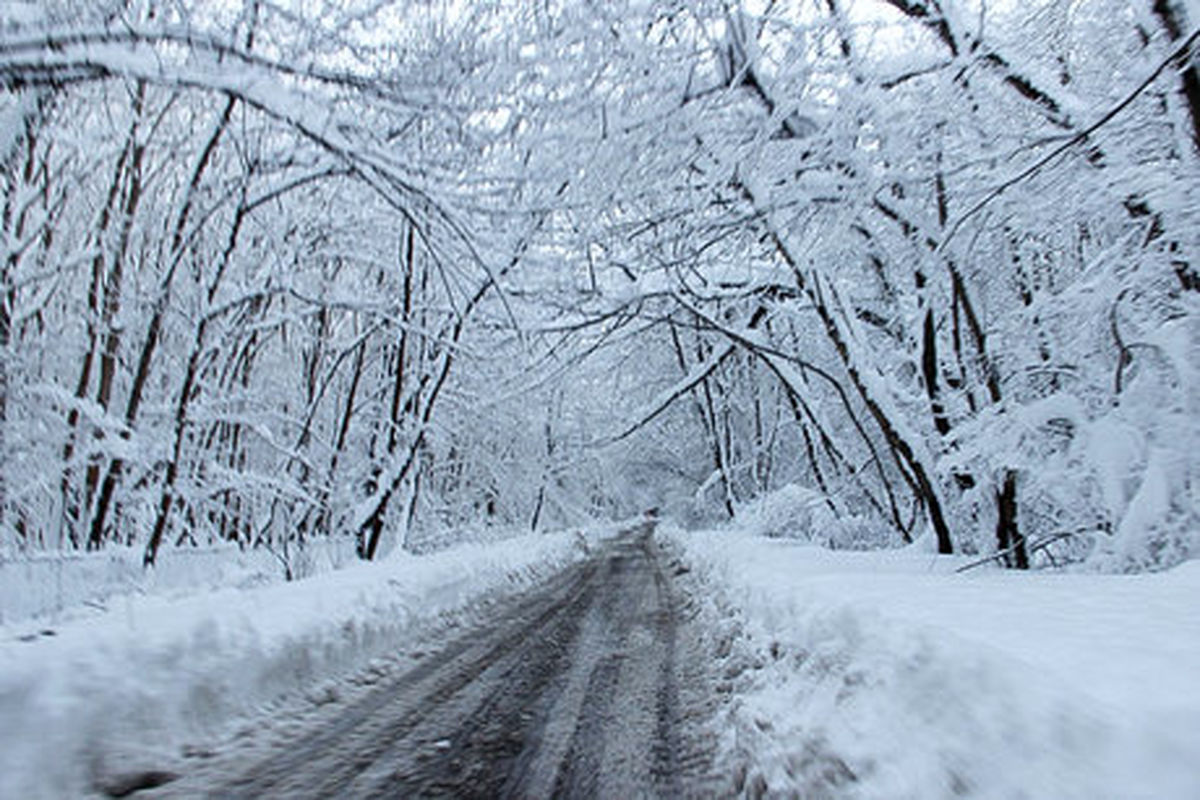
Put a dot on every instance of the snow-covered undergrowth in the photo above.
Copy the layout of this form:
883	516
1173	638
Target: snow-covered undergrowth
884	675
794	508
155	671
53	588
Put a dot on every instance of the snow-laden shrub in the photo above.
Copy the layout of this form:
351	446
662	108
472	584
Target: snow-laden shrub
785	513
799	512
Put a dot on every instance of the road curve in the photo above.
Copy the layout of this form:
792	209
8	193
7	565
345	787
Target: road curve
572	691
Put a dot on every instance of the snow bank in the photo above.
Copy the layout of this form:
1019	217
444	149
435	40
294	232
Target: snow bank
884	675
156	671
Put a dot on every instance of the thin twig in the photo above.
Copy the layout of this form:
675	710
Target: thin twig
1040	544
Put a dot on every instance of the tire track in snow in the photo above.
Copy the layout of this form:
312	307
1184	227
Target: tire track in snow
574	690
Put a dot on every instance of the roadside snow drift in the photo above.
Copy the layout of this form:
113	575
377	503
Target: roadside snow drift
155	672
885	675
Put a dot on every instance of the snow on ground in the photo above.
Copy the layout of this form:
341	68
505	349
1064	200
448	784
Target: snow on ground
49	589
53	588
159	671
885	675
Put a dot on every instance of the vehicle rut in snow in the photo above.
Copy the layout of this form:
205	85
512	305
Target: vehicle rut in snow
573	691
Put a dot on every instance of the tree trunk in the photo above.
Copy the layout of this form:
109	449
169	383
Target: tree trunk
1174	22
1009	539
154	332
111	304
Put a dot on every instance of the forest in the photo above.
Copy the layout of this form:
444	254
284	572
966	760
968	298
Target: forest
869	271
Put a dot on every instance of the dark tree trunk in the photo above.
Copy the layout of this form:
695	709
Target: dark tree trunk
1175	24
1009	539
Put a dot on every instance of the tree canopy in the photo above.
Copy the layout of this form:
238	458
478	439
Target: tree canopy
889	269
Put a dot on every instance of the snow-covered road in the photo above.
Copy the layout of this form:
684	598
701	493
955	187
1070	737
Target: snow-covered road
577	689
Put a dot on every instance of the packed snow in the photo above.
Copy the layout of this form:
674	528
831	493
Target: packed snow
888	675
156	672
